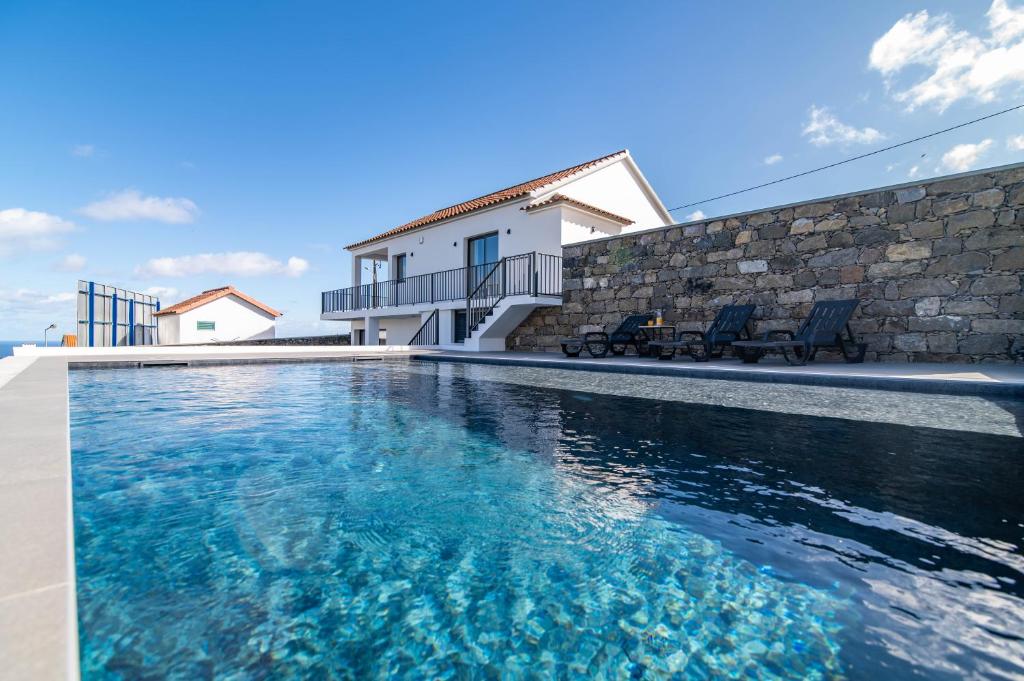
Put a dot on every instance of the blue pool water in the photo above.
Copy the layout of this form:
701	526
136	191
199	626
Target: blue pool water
392	520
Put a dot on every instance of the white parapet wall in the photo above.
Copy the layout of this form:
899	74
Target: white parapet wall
171	351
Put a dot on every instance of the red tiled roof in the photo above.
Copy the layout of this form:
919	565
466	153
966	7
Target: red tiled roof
562	198
500	196
211	295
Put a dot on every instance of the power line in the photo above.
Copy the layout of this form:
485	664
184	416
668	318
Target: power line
848	160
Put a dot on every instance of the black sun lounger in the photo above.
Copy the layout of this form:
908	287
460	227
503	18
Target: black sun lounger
823	328
598	343
730	325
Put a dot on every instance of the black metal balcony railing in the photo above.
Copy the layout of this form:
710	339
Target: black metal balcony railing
526	274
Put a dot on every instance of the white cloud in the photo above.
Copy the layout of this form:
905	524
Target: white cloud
957	64
824	129
26	298
30	229
914	172
239	263
161	291
772	160
83	150
963	157
130	204
72	262
1015	143
695	215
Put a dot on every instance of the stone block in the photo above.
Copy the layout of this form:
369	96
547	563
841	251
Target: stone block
840	240
812	243
804	279
910	195
760	248
1014	326
927	229
984	344
920	288
887	270
1015	197
694	230
813	210
775	281
972	261
864	221
947	246
802	226
940	323
874	235
752	266
834	223
889	308
996	237
911	250
777	230
845	256
677	260
851	274
997	285
900	214
744	237
791	297
960	185
928	307
1012	305
967	307
989	198
911	342
973	219
949	206
731	254
942	343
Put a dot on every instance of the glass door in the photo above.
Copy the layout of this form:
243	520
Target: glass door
483	253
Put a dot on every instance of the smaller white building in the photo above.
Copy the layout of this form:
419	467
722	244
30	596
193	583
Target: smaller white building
219	314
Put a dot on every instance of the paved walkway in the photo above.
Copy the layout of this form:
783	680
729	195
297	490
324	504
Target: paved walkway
1005	380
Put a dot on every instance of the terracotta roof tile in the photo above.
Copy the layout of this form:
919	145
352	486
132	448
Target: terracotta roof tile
500	196
211	295
562	198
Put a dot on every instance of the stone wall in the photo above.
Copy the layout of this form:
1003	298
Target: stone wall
937	268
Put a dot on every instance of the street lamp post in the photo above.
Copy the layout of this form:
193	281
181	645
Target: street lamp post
51	327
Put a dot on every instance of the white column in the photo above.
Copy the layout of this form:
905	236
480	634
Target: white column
446	322
372	334
357	270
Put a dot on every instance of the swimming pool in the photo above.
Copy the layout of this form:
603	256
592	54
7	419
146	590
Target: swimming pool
450	521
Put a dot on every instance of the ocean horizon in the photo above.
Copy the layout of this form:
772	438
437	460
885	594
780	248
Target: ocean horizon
7	346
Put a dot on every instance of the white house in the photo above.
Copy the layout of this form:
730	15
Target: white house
219	314
465	276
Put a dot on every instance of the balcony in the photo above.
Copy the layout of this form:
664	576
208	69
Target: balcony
528	274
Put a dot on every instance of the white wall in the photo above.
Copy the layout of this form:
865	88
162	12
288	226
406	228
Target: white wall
234	319
616	189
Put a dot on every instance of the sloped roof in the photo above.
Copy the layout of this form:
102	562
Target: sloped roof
562	198
211	295
509	193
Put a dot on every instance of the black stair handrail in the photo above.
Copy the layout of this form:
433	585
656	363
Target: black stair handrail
429	332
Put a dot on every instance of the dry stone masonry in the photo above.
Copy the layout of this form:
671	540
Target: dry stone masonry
937	268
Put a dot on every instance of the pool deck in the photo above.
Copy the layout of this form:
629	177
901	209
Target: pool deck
989	380
38	610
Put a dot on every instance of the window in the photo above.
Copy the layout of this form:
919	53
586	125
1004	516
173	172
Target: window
483	250
400	267
206	326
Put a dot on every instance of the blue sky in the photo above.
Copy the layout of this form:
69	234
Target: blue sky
189	145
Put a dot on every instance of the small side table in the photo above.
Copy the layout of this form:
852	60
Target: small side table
659	332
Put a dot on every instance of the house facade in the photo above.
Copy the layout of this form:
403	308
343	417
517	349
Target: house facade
466	276
219	314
